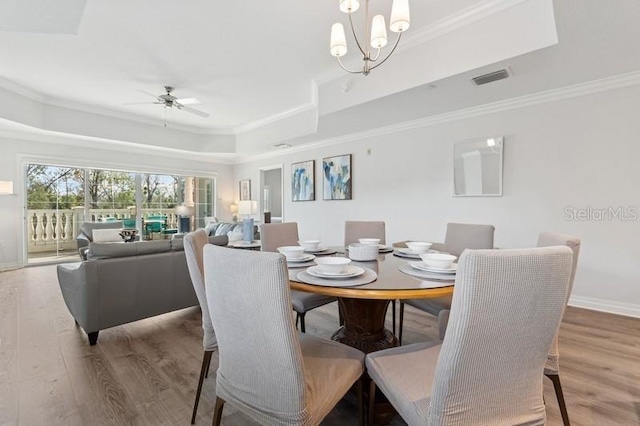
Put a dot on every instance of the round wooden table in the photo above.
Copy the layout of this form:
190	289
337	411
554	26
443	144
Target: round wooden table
364	307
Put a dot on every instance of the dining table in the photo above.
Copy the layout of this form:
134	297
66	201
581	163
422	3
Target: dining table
363	307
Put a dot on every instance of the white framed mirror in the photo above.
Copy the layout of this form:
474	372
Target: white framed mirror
477	167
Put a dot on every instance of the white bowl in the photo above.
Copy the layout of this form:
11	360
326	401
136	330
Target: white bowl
372	241
292	252
418	246
363	252
310	244
438	260
332	265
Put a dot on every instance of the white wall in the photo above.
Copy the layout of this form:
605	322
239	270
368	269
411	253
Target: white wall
576	152
14	152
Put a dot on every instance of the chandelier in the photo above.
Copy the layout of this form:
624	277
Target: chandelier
376	33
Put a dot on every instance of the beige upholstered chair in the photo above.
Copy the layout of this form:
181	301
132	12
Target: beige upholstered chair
459	236
274	235
266	368
506	311
193	245
552	367
363	229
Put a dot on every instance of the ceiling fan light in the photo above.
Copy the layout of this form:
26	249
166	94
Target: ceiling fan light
378	32
338	45
400	19
348	6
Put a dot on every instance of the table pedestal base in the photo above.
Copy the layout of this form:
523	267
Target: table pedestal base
364	325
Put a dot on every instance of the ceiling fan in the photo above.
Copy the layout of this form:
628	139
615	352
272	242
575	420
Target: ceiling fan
170	101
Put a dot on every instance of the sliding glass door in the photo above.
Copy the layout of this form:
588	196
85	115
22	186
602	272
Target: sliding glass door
60	199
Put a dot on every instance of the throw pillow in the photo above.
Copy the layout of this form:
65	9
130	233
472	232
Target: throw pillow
106	235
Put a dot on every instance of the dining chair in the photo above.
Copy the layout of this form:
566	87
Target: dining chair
274	235
459	236
505	313
266	368
355	229
552	366
194	243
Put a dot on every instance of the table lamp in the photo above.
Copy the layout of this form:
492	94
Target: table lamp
247	208
184	213
234	211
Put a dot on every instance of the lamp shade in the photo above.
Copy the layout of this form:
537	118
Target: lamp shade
400	20
348	6
338	40
247	207
378	32
6	187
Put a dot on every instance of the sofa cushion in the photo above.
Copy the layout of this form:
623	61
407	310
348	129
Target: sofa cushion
107	250
224	228
88	227
106	235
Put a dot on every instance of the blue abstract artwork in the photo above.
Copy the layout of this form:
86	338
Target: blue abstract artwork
302	181
337	177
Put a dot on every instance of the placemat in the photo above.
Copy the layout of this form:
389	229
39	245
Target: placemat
366	278
407	269
297	265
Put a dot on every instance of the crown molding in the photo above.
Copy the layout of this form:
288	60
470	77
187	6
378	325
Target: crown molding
439	28
123	146
554	95
63	103
21	90
313	104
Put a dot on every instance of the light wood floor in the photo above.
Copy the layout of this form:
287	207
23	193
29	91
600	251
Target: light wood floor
145	373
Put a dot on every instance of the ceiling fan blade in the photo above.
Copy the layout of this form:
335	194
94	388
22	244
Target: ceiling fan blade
189	101
195	111
140	103
148	93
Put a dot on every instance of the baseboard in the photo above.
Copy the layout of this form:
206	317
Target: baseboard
9	266
604	305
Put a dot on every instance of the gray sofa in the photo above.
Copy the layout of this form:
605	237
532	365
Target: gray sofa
125	282
86	234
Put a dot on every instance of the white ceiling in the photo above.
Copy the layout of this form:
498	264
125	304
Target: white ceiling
263	72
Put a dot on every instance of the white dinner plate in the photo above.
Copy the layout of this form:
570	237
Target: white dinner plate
304	258
412	253
316	250
351	271
423	267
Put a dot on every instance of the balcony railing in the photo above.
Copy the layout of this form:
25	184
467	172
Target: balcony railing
50	230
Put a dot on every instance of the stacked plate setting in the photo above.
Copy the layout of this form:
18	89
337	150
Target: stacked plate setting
439	263
334	268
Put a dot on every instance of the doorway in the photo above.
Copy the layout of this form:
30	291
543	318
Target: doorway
271	189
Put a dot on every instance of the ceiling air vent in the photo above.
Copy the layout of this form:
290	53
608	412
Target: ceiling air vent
490	77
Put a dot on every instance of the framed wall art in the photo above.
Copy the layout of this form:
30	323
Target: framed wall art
336	173
245	189
303	186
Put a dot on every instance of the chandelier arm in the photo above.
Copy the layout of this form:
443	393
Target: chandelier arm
353	31
346	69
377	55
390	53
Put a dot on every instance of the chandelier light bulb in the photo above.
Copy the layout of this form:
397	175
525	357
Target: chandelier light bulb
378	32
338	40
348	6
400	19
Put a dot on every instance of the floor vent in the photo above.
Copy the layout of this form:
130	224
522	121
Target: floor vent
490	77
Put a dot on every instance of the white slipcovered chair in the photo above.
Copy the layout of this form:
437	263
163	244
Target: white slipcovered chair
267	369
552	366
459	236
193	247
274	235
506	310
